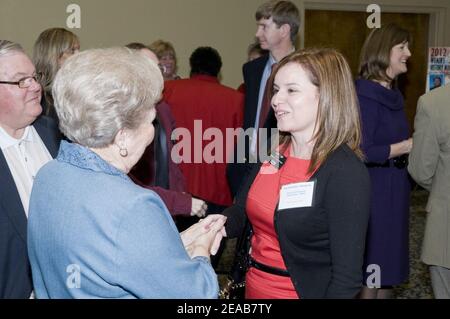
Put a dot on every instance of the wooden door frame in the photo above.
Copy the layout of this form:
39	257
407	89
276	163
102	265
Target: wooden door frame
436	28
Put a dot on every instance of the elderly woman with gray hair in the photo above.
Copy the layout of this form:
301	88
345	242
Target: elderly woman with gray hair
92	232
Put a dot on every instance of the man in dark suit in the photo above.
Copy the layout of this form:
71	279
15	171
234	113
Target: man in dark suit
26	144
278	23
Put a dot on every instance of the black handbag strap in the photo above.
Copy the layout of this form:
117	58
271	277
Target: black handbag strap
242	255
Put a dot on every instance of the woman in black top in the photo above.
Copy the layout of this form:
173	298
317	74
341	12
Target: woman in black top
319	223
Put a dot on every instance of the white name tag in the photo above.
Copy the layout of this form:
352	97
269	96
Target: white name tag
296	195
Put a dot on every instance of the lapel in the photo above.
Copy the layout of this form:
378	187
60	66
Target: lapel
10	199
48	132
256	73
254	70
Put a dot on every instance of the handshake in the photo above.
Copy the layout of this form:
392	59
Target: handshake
204	237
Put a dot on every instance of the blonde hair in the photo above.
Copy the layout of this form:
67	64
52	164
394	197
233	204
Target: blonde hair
48	49
338	118
101	91
161	48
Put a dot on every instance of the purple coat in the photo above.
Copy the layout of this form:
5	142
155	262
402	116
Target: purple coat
384	123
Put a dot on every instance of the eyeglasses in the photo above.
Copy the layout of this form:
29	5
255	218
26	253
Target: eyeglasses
25	82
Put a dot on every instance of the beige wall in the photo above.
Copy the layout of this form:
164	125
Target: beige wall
227	25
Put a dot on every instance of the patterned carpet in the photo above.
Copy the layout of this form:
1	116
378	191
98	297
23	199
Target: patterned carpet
418	286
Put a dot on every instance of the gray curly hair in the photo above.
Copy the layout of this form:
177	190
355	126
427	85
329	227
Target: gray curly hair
101	91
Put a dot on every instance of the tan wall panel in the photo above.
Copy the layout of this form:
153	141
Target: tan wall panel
227	25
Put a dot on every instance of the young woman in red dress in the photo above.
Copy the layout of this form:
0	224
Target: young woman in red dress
309	209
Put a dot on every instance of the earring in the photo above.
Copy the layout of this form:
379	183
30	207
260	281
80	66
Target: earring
123	152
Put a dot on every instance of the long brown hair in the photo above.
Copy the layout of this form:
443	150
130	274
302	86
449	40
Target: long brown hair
48	49
338	118
376	52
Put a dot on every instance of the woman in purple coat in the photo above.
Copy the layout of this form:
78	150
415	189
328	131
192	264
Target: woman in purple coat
386	145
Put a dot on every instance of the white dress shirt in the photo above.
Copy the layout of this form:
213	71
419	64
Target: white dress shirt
24	156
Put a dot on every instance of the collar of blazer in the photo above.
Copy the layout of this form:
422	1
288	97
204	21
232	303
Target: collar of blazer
10	203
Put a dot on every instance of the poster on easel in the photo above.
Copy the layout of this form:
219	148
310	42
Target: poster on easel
438	67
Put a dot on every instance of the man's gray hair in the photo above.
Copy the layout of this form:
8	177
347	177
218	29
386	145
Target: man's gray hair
101	91
7	47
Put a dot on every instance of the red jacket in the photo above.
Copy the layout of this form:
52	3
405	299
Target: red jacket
203	98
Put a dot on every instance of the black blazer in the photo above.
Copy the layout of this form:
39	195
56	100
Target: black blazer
322	246
15	271
238	170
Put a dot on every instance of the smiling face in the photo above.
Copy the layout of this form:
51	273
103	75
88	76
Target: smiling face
295	101
399	56
19	107
167	60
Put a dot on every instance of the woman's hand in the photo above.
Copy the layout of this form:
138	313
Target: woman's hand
198	207
217	240
403	147
204	237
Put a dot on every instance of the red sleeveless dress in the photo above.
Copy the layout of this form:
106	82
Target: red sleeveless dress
261	202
